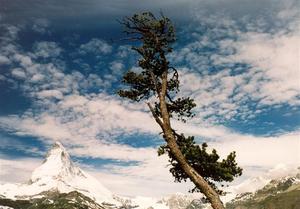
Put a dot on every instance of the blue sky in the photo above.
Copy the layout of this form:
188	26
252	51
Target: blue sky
62	62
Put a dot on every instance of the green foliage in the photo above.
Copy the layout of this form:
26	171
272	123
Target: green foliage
154	38
206	163
141	86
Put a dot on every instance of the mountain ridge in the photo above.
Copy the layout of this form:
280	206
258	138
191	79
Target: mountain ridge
282	193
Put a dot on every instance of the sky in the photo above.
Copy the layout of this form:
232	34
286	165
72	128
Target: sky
61	64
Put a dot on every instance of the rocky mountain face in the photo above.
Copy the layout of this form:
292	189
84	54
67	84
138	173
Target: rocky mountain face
53	200
283	193
60	184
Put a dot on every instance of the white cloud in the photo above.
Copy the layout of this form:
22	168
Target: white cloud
17	170
12	32
264	152
12	144
235	92
289	11
18	73
45	127
50	94
46	49
275	61
214	95
95	46
25	61
116	67
90	128
41	26
124	51
37	78
92	124
153	175
4	60
48	80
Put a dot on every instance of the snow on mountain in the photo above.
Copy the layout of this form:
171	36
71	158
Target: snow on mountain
58	173
281	193
148	202
279	173
174	201
183	201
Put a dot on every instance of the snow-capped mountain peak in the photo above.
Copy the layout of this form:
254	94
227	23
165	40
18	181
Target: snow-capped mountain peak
58	173
57	165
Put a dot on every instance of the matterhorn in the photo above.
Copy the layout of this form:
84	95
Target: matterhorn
58	183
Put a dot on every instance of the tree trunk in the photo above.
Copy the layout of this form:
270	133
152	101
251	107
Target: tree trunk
195	177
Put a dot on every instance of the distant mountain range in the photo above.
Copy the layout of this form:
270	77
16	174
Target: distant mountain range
59	184
283	193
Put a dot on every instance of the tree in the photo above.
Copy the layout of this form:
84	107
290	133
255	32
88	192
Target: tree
159	80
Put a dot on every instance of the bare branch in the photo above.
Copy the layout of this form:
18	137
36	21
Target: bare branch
155	82
170	99
157	119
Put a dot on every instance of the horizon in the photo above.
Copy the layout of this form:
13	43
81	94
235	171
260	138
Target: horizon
62	62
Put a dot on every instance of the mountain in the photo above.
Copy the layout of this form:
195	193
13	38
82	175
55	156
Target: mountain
174	201
182	201
53	200
58	173
282	193
59	184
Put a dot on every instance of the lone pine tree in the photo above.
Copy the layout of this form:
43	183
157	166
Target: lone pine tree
159	80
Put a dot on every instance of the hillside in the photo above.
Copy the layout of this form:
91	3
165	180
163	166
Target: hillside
283	193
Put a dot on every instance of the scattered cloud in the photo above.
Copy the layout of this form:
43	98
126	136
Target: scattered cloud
239	69
117	67
96	47
4	60
18	73
41	26
50	94
264	152
24	60
46	49
275	64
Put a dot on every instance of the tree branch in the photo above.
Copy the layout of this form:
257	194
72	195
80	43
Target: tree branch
155	82
157	119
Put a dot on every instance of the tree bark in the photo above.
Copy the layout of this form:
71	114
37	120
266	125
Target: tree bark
197	179
165	124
